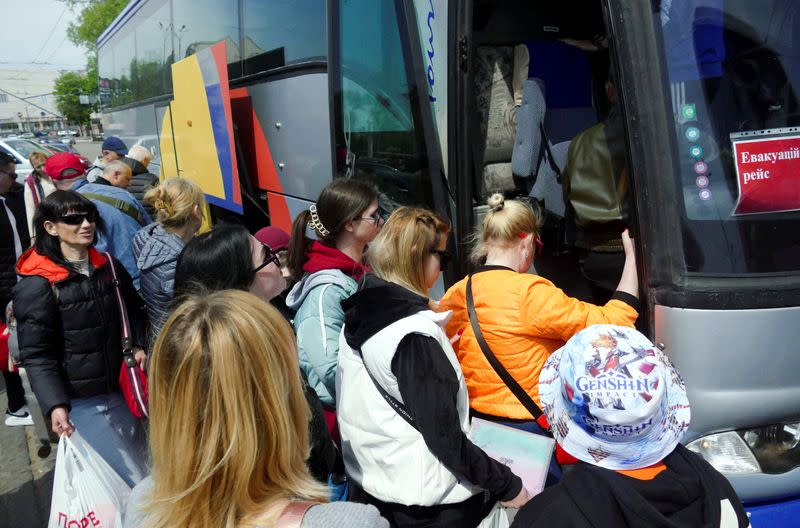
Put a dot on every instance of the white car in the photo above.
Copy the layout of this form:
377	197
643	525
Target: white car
63	133
20	149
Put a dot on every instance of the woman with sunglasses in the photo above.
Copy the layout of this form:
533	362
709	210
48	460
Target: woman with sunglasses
345	218
69	332
403	404
229	258
178	204
523	317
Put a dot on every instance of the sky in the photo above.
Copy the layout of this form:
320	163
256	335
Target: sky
35	31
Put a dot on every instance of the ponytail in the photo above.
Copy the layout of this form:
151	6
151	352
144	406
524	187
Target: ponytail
299	244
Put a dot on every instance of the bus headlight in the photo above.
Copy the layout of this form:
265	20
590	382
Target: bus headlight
727	452
772	449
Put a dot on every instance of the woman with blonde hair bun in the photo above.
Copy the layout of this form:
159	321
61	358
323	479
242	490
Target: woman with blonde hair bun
522	318
179	205
229	424
403	407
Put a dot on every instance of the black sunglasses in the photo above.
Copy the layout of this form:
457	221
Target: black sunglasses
78	218
269	257
444	258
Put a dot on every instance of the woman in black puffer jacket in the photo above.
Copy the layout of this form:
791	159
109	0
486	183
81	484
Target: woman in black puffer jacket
69	332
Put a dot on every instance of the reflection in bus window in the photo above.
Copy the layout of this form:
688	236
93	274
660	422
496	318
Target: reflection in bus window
732	67
198	24
124	52
281	32
379	137
150	71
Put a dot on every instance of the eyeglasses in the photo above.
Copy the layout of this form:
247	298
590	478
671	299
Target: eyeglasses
444	257
379	217
13	173
269	257
78	218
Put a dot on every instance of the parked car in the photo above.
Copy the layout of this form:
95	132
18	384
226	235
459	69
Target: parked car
26	135
20	149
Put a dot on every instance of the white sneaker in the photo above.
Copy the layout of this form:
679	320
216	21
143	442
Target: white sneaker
21	417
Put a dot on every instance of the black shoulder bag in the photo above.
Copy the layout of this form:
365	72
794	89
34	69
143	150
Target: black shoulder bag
520	393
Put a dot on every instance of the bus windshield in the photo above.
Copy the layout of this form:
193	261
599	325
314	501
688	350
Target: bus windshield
733	69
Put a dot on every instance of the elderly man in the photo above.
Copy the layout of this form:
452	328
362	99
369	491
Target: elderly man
138	159
122	213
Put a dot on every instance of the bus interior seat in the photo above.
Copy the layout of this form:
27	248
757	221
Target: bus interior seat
547	188
499	76
527	154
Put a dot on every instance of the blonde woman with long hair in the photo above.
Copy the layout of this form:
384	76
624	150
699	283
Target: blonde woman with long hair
229	424
523	317
179	205
402	402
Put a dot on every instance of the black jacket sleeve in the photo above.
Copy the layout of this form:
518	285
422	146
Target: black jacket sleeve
134	304
40	341
323	454
429	388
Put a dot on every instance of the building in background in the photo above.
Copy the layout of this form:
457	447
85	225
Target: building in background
27	103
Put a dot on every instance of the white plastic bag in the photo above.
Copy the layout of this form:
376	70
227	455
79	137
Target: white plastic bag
87	493
497	518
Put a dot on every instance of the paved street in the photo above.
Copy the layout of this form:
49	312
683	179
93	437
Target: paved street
26	478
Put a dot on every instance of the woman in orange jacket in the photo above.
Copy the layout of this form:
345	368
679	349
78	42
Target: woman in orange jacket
523	317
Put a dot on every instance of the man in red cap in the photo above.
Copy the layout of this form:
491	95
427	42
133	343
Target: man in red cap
65	169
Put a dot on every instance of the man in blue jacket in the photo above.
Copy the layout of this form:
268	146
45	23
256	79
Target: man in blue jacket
122	213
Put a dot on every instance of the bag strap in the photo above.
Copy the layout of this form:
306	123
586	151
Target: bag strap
34	190
520	393
122	205
393	402
123	315
293	513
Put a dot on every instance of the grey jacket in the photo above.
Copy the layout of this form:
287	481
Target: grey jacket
156	252
331	515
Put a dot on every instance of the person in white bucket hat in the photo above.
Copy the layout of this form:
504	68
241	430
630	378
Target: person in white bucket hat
617	404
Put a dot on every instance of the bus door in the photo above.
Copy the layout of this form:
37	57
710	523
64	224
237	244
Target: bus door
539	118
710	89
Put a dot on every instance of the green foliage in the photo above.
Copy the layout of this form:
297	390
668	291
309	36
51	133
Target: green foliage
68	87
92	21
94	18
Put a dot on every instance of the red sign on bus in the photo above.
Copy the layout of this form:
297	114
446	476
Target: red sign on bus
767	173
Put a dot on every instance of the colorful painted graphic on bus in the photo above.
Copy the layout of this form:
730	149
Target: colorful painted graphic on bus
201	127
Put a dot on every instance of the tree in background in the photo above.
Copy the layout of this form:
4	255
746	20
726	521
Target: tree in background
94	17
67	89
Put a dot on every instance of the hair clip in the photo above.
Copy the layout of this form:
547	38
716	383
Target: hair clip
316	223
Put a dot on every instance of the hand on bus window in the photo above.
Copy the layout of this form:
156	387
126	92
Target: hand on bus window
629	282
518	501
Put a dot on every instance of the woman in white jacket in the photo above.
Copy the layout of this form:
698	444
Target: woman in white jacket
403	406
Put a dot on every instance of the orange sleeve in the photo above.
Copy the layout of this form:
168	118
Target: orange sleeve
555	315
454	299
